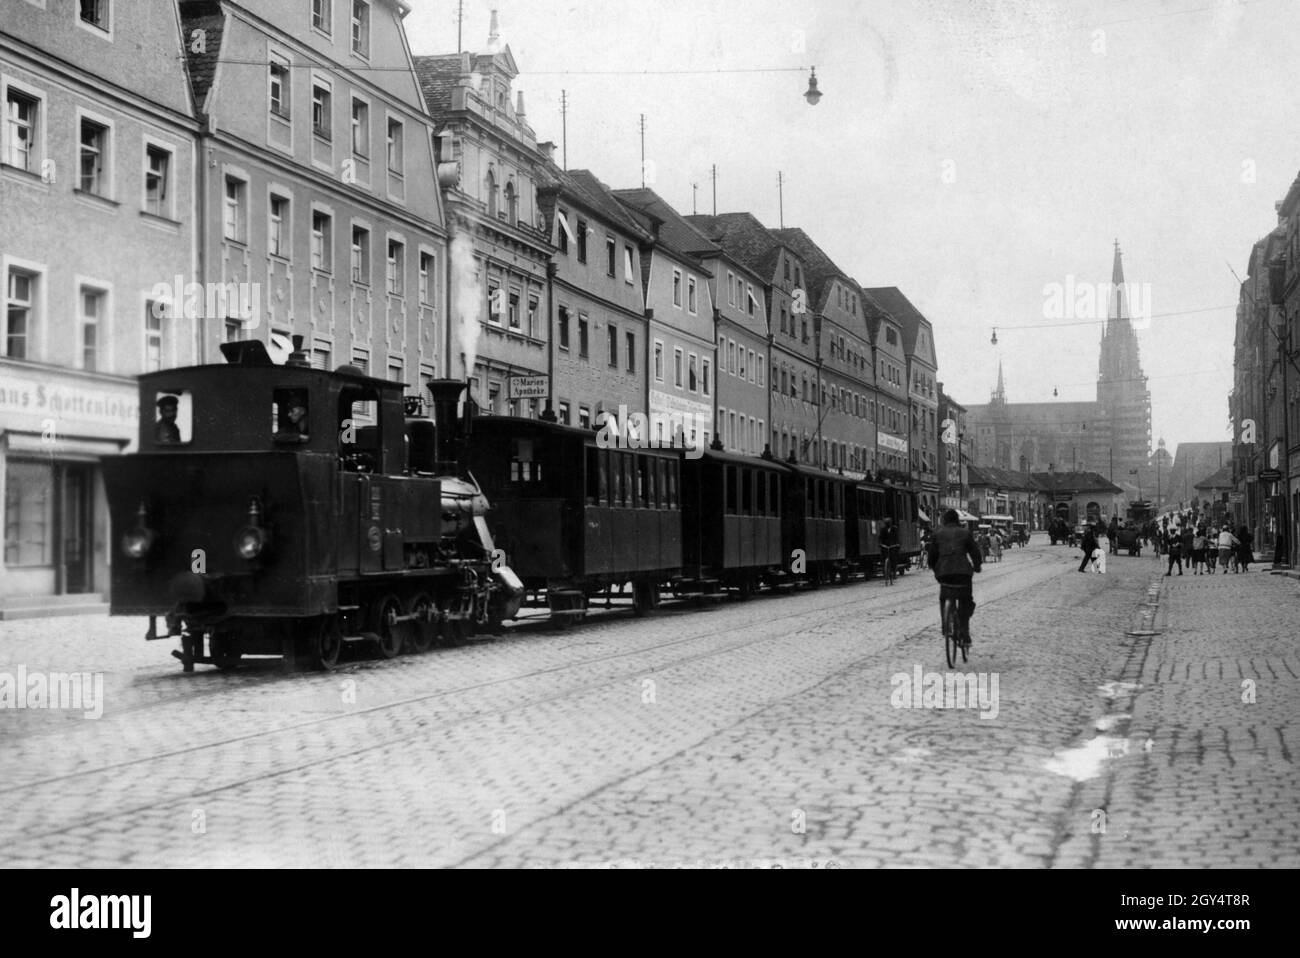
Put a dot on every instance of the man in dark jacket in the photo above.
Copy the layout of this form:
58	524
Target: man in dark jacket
955	558
1089	544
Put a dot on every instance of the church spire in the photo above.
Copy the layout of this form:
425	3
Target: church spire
1000	394
1117	271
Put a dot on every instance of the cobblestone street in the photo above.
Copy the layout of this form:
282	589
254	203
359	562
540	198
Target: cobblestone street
763	731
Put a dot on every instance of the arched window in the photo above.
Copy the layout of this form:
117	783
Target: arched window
492	193
512	203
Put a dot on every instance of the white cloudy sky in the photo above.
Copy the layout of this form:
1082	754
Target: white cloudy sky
1173	125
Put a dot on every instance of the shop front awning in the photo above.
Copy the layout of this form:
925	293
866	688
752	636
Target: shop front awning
965	516
922	515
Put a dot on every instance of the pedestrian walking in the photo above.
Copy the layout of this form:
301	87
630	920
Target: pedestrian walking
1089	547
1211	550
1199	543
1228	544
1174	545
1245	548
1112	534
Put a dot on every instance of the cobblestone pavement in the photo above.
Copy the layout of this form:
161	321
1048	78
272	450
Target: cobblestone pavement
770	731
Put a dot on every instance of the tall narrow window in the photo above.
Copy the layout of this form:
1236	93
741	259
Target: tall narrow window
92	307
94	149
533	304
677	368
321	99
396	162
563	321
583	340
611	333
426	278
677	287
396	267
322	15
706	371
659	362
360	128
153	336
157	186
277	241
234	218
360	255
582	241
629	274
20	305
690	294
21	116
279	77
692	381
611	256
512	204
361	28
631	352
95	12
491	186
320	242
512	312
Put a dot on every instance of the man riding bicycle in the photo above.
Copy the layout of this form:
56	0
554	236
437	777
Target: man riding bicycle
889	543
955	558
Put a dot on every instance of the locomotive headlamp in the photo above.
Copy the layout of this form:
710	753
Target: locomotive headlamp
252	539
137	543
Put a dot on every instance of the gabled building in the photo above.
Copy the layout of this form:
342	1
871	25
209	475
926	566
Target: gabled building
97	214
1077	497
792	399
845	371
1002	492
923	393
954	452
318	196
893	416
679	314
601	347
488	156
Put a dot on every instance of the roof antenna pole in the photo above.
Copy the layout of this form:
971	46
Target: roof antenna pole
642	151
715	189
780	192
460	26
564	125
695	189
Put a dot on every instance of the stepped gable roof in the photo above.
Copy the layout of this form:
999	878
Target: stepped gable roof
672	229
907	316
205	15
1078	483
1007	479
745	238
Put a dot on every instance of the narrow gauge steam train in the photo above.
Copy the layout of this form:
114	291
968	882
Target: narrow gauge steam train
285	510
577	520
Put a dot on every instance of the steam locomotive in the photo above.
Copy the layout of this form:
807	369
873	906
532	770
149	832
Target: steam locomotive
285	510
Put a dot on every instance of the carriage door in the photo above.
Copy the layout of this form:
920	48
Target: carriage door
370	512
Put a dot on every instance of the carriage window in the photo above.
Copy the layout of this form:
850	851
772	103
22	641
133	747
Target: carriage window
644	474
762	494
627	499
747	491
524	466
654	470
604	495
671	501
173	417
595	477
289	415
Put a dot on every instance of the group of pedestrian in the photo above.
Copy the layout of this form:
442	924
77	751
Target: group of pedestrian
1207	548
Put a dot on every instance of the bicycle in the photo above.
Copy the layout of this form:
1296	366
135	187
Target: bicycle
954	627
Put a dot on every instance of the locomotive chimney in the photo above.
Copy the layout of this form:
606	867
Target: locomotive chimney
445	394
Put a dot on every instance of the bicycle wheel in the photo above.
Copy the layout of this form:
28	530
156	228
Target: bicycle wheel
965	645
950	642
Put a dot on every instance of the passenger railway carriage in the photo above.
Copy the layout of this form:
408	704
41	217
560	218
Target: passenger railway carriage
288	511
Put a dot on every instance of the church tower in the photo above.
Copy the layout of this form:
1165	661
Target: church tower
1124	436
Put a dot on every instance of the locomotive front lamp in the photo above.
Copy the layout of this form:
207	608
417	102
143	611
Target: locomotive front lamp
252	539
137	543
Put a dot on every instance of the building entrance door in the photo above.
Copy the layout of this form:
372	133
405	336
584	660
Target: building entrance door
76	515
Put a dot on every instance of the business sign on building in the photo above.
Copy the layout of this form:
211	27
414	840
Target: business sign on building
529	387
888	441
54	402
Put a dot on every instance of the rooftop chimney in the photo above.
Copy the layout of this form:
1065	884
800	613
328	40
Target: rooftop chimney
519	110
494	35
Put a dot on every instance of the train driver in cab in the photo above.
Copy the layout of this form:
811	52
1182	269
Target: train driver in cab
165	430
292	425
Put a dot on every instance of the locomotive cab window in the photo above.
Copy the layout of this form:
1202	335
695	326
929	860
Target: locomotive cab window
359	438
289	415
173	417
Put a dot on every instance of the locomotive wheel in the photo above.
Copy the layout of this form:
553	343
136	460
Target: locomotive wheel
223	652
383	623
645	597
746	590
421	633
326	643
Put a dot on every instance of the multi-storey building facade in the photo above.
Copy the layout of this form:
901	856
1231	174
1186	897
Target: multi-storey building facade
1285	293
954	452
679	314
844	370
792	398
318	200
97	169
601	348
923	393
893	417
499	323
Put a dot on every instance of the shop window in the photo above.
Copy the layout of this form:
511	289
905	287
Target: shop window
29	514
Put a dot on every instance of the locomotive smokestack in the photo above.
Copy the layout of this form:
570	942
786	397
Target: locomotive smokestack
450	434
